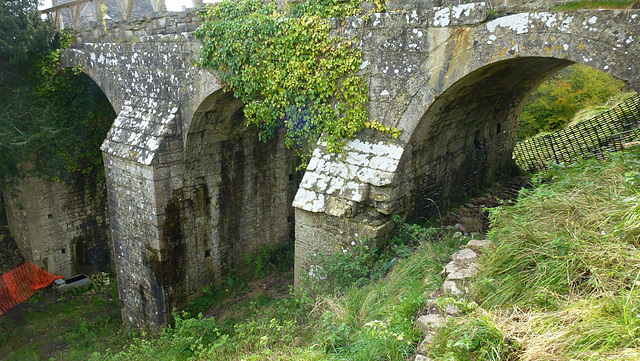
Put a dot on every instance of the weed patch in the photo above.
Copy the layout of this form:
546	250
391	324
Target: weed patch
563	281
581	5
366	314
68	327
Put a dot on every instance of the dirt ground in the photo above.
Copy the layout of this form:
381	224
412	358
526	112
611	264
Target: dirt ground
274	286
474	216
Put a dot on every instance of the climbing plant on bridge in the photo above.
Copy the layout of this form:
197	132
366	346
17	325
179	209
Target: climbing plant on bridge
51	119
288	70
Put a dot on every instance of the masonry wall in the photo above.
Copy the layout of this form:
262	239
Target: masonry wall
237	195
154	23
143	166
64	230
500	6
135	230
468	135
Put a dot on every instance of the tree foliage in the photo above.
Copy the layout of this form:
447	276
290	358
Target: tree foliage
51	121
287	69
554	104
22	34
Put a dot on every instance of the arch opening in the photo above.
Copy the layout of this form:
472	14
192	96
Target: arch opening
56	209
465	140
237	192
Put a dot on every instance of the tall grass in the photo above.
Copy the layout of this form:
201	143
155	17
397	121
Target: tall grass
574	235
564	281
359	315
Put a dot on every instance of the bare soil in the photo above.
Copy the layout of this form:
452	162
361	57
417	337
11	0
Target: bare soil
474	214
274	286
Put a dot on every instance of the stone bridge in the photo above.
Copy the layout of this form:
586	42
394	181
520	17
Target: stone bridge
191	189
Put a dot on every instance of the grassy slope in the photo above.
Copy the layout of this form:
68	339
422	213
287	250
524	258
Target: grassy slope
563	283
67	327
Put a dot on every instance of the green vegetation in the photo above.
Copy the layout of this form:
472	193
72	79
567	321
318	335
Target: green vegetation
288	71
580	5
563	283
555	103
52	121
368	317
66	327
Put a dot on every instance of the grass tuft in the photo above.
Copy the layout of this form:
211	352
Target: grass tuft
564	281
583	5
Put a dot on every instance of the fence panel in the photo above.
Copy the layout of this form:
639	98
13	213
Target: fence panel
608	132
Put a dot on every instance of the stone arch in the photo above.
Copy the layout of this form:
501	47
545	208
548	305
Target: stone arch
605	40
237	191
424	70
65	227
465	139
207	83
76	58
465	136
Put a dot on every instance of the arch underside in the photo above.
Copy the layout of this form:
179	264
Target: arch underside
465	139
480	82
237	193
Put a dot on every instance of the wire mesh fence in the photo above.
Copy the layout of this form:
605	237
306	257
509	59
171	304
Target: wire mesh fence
611	131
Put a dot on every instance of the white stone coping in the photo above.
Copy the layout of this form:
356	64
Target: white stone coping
347	176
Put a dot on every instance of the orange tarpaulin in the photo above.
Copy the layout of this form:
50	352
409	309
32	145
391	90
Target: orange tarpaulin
19	284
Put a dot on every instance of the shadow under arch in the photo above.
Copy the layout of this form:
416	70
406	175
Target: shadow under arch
67	229
465	139
92	251
237	191
93	74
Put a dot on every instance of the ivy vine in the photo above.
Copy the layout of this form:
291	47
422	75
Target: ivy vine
52	120
287	69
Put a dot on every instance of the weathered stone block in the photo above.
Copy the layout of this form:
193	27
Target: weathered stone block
429	323
450	287
480	246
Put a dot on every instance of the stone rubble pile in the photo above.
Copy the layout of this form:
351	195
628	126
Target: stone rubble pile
458	273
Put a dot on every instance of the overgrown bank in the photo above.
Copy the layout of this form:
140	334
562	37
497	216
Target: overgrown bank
563	283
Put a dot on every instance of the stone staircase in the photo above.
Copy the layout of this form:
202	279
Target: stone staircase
458	274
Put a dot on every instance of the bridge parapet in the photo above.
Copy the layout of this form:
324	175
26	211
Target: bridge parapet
496	6
134	30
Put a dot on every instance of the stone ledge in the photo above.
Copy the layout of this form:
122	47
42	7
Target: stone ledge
333	183
132	134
